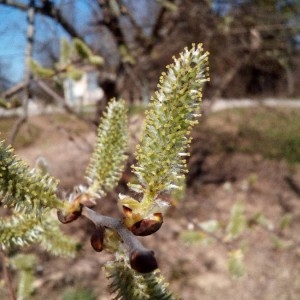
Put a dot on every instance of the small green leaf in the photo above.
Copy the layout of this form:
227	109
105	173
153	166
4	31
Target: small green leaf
96	60
40	71
279	243
74	73
252	179
286	221
65	52
260	219
193	237
4	103
237	222
235	263
82	49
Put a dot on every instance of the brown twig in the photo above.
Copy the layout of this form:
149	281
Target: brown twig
16	128
295	187
7	277
116	224
141	258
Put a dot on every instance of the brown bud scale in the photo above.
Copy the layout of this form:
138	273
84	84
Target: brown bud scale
97	239
67	218
143	261
147	226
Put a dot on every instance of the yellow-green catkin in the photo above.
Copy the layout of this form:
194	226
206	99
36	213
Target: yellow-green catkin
24	189
161	154
107	162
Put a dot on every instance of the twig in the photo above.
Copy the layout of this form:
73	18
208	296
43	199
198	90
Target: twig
15	130
116	224
141	259
7	277
293	185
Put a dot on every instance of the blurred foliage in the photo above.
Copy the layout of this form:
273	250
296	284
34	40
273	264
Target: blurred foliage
194	237
280	243
237	222
235	262
74	55
79	294
259	57
272	132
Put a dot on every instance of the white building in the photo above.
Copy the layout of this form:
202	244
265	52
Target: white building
83	92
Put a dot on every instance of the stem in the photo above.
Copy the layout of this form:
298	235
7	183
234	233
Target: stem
141	259
126	236
7	277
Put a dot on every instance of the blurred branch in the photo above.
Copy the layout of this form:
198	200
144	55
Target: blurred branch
111	21
261	28
229	76
295	187
28	75
16	128
13	90
140	37
159	22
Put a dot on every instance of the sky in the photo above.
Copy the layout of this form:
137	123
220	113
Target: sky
12	42
13	34
13	39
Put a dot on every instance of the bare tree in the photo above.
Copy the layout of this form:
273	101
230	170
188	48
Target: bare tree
107	19
243	37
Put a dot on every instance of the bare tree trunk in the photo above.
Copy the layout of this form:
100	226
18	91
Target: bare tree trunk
29	54
7	277
28	74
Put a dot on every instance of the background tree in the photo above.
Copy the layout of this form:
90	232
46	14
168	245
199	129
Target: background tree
259	41
262	34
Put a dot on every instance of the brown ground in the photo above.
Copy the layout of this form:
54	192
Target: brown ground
194	271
